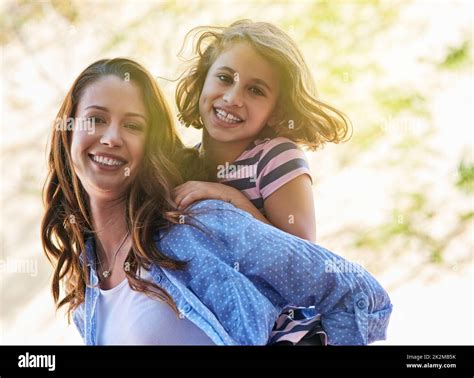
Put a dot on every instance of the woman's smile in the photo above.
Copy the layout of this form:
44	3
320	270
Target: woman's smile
107	162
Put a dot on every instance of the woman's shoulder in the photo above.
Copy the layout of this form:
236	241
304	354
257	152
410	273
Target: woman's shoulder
213	207
208	219
210	213
216	215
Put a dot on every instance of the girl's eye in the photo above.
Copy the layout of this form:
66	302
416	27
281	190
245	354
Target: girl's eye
224	78
257	91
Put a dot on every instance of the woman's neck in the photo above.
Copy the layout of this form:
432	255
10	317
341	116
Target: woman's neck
222	152
109	224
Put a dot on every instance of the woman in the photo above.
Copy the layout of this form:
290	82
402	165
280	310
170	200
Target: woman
128	258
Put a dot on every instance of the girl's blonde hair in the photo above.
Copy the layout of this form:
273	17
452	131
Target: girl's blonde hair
301	116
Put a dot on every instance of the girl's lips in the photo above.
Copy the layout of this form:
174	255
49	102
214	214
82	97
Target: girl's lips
226	115
220	123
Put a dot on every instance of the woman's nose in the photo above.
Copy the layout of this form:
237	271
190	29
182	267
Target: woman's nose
112	136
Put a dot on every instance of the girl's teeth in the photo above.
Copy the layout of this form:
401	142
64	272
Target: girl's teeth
226	117
106	161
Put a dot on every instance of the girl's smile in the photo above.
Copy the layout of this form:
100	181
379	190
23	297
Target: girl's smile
227	116
226	119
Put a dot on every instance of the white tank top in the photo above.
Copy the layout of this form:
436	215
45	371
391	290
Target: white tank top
125	316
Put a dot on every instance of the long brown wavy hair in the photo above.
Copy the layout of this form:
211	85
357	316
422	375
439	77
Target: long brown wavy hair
67	222
303	118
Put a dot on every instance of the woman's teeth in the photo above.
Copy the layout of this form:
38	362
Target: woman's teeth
107	161
226	117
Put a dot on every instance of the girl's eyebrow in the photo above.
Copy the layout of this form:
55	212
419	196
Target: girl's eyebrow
262	83
257	80
132	114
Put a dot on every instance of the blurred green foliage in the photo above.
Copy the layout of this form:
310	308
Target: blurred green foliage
396	101
465	180
458	57
67	9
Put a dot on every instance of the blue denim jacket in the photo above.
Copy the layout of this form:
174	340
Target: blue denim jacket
242	273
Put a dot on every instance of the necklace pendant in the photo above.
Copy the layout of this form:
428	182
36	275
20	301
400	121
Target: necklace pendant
106	273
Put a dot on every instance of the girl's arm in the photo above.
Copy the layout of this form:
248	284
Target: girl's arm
284	182
291	208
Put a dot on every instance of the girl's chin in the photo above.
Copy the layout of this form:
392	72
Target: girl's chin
222	137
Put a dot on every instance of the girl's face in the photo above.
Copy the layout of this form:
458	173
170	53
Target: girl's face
106	154
239	95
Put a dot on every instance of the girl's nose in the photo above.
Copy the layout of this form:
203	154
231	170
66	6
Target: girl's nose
112	136
233	97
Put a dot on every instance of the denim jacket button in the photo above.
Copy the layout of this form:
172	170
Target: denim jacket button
187	308
361	303
158	278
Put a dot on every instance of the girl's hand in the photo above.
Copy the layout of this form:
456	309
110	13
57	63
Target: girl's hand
192	191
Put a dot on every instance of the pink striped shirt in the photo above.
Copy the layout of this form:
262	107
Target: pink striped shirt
264	167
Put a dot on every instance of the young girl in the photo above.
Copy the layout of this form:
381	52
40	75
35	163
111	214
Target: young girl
252	93
132	269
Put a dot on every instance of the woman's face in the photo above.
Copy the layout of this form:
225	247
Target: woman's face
107	153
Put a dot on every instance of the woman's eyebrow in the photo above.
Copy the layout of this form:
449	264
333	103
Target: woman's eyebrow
97	107
132	114
256	80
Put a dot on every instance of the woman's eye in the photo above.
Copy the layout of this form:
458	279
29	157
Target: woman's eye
96	120
257	91
225	78
134	126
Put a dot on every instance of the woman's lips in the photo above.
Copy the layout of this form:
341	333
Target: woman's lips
107	163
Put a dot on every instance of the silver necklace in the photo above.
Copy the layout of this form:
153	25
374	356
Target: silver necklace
106	273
